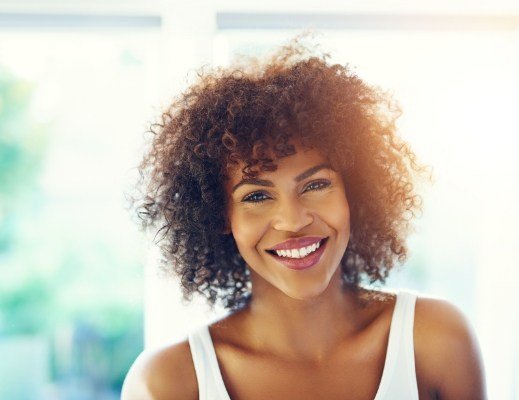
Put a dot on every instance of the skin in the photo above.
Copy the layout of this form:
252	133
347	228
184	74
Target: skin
304	335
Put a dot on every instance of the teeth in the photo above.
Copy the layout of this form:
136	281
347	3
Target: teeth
298	253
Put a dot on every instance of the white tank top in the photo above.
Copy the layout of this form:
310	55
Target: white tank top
398	377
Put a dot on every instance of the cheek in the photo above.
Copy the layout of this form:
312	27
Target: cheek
247	229
337	214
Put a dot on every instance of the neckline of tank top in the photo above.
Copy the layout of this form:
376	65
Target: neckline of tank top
389	363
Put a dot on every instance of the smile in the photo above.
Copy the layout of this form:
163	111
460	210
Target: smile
300	258
298	253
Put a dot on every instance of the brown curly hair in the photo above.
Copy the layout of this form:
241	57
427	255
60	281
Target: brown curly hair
253	112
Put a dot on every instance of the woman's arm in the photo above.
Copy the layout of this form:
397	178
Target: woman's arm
166	373
448	359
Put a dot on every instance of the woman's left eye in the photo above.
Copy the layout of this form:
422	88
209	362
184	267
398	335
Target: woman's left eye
317	185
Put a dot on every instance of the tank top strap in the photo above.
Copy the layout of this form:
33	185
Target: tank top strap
209	377
399	377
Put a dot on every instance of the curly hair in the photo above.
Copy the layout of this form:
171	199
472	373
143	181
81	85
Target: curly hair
253	112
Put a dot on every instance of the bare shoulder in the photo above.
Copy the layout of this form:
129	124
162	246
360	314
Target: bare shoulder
164	373
447	354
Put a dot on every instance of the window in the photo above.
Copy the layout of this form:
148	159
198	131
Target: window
85	80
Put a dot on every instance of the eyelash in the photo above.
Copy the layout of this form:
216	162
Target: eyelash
323	184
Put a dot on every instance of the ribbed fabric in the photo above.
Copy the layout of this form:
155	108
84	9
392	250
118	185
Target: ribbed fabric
398	380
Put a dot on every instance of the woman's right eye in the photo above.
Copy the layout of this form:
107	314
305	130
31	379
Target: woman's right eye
256	197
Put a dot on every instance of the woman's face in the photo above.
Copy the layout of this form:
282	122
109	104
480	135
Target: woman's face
301	211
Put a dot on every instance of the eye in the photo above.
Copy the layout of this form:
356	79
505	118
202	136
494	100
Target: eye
317	185
256	197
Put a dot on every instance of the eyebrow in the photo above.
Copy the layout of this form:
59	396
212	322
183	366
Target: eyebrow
263	182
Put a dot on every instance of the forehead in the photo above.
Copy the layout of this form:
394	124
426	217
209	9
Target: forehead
292	164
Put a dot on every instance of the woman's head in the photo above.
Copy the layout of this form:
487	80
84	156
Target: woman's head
291	225
246	120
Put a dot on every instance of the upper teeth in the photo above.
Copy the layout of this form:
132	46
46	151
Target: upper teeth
298	253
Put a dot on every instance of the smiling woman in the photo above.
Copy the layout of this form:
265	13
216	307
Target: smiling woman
280	187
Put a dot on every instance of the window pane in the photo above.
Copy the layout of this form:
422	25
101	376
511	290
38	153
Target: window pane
72	112
459	92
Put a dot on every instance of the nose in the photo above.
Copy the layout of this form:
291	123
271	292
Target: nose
291	216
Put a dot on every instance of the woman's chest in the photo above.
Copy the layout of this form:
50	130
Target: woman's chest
352	374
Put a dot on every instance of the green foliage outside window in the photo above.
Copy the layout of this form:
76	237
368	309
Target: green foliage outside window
78	287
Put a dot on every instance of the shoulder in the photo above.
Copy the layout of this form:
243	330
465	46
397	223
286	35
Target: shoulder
447	354
164	373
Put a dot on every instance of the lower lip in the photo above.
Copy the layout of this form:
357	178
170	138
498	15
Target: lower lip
302	263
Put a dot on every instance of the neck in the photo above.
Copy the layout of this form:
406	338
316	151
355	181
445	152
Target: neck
311	328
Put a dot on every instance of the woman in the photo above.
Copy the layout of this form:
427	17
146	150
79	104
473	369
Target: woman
280	188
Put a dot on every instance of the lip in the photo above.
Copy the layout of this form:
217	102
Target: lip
302	263
297	243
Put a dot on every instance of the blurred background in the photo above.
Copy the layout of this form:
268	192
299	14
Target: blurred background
80	82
